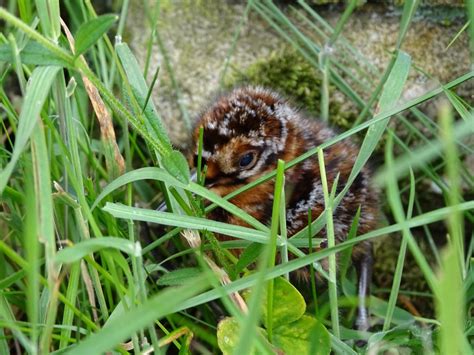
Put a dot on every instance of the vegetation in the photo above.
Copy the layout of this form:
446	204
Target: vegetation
76	274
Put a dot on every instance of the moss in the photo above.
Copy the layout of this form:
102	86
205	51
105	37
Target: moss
292	75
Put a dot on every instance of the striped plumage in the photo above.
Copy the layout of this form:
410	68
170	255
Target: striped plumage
247	131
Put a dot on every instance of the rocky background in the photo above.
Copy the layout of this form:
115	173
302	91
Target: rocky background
197	38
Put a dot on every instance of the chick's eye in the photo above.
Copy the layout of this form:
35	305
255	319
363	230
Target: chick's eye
247	160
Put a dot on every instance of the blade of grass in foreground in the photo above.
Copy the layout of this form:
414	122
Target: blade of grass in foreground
170	219
36	94
32	255
388	99
160	174
295	264
45	218
449	294
248	330
400	261
277	204
89	246
331	241
397	210
455	219
122	327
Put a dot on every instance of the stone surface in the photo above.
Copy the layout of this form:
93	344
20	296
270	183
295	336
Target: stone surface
199	38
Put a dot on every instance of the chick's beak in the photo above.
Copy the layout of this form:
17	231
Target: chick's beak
212	173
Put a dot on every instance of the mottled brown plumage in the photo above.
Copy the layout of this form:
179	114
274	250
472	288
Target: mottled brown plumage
247	131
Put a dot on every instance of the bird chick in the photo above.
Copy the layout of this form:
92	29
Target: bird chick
245	133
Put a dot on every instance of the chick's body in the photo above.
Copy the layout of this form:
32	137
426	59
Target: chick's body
247	131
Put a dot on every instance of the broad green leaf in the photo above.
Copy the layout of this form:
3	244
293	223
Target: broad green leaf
36	94
86	247
153	309
295	338
288	304
90	32
33	53
228	331
177	166
179	277
320	340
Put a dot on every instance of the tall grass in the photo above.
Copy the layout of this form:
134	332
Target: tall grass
75	272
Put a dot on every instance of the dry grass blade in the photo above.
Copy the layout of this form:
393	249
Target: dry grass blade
90	290
113	158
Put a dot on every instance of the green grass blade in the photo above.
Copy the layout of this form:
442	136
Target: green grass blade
388	99
455	220
36	94
153	309
48	12
91	31
71	295
277	204
189	222
450	306
399	267
331	241
86	247
420	156
140	90
32	255
45	219
162	175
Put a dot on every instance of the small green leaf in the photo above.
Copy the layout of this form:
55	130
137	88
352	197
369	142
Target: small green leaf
91	31
177	166
86	247
33	53
299	336
179	277
288	303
